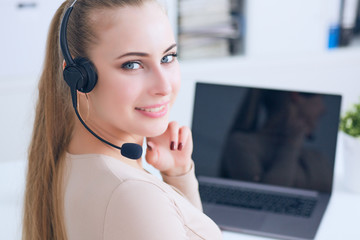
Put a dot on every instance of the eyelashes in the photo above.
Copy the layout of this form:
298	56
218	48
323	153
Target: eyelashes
131	65
134	65
171	56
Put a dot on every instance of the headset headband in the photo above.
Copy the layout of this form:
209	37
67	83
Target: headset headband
63	36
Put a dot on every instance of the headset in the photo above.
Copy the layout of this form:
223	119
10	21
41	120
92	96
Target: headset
80	75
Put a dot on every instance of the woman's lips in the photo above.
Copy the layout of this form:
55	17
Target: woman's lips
154	111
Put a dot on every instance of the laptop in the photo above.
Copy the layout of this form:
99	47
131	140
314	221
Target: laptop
265	157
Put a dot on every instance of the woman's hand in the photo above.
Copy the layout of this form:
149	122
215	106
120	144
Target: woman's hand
170	152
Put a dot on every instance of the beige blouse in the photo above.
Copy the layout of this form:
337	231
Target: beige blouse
108	199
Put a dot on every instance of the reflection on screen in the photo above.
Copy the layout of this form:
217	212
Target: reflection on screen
284	138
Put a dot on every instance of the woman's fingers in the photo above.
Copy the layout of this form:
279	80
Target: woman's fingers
171	152
152	156
173	129
178	136
184	133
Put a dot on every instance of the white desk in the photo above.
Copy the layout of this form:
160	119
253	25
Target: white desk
341	220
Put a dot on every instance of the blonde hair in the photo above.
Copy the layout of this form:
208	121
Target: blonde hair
54	121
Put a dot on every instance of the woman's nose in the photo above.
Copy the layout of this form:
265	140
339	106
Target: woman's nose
161	83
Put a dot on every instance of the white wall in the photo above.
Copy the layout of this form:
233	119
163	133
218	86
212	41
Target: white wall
283	27
23	35
17	97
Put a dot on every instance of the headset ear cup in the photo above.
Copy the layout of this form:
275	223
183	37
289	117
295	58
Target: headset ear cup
89	71
72	75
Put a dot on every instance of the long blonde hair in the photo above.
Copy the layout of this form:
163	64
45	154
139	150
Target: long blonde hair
54	122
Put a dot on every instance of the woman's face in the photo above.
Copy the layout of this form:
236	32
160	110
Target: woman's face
138	73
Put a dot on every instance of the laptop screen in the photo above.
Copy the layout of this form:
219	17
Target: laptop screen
277	137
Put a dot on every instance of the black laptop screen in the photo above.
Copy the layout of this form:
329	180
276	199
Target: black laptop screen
284	138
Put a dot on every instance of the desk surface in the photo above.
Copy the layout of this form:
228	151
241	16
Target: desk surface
340	220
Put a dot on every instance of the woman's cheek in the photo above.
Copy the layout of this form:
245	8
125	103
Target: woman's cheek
176	87
176	81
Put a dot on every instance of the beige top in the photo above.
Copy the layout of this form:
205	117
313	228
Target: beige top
108	199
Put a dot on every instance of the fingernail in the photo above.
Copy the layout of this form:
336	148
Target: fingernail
148	146
172	145
180	146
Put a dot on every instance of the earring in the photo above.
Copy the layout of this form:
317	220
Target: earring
78	102
88	106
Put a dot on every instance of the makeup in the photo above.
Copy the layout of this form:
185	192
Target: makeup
154	111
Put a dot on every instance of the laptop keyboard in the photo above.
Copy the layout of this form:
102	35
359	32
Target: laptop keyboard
250	199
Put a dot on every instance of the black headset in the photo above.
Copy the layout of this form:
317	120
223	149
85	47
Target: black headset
80	74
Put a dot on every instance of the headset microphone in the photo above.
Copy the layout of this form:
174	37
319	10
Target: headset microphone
80	75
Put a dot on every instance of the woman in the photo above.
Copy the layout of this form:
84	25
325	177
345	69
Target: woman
81	188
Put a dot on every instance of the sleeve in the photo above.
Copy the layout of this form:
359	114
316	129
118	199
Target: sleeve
187	184
141	210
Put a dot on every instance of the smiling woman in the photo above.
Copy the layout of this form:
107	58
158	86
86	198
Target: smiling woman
77	186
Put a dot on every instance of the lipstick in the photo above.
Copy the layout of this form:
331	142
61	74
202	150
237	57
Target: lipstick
154	111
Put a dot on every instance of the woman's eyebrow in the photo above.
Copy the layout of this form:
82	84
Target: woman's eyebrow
169	48
142	54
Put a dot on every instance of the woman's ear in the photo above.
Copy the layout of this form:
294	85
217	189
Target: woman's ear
64	64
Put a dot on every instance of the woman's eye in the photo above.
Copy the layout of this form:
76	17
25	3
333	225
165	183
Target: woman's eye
168	58
131	65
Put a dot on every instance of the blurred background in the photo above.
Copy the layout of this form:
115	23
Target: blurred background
309	45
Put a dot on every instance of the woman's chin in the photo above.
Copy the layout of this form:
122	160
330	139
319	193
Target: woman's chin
156	131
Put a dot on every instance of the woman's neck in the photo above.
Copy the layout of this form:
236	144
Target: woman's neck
83	142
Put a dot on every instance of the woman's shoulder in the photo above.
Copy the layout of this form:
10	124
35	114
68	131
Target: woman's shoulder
95	178
103	166
125	196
